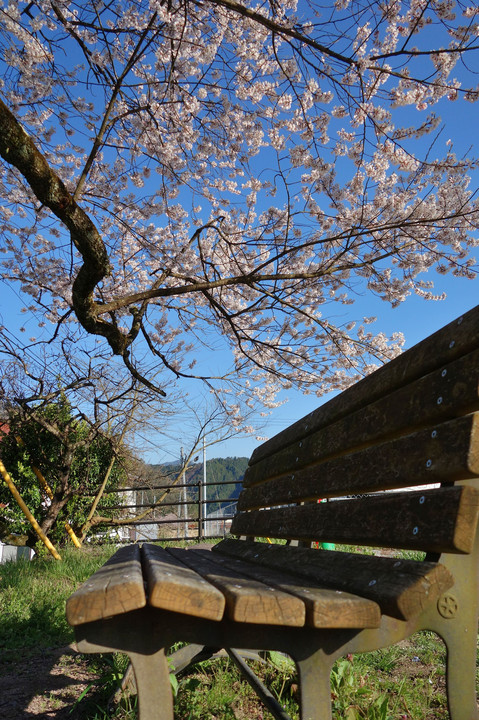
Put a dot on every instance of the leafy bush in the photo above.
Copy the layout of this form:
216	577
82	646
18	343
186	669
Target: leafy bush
70	454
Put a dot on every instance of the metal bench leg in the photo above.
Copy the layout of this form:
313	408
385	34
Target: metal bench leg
315	686
152	675
455	620
460	673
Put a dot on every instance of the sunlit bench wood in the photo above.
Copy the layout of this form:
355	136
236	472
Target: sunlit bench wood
412	423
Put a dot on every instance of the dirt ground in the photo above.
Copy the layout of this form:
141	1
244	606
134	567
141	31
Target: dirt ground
43	685
47	685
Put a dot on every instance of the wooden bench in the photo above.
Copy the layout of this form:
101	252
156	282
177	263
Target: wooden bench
411	423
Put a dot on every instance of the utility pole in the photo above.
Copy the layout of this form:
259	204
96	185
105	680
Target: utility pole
183	495
180	505
202	513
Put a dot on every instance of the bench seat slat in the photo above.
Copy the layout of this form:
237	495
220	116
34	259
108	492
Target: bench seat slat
447	344
174	586
442	453
249	601
435	398
325	608
407	520
401	588
116	588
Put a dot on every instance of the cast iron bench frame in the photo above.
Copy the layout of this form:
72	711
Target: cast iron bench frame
411	423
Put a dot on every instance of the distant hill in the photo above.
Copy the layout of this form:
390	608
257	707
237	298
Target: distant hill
223	478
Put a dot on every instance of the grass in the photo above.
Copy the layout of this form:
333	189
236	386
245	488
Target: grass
33	596
385	685
400	683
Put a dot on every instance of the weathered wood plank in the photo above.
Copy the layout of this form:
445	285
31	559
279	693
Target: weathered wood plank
174	586
325	608
442	453
116	588
247	600
442	520
456	339
401	588
440	396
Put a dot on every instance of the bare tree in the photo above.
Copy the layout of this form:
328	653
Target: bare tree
64	435
205	432
81	424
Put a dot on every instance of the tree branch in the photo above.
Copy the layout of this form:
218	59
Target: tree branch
18	149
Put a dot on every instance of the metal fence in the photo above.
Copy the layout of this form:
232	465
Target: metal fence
183	519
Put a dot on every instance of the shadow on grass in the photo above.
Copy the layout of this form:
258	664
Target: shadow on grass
55	683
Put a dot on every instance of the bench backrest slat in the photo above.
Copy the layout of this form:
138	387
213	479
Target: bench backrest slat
440	520
438	454
448	392
454	340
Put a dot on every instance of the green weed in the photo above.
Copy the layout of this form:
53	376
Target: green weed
33	596
214	690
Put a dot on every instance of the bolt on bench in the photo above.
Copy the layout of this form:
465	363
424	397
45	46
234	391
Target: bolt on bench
411	423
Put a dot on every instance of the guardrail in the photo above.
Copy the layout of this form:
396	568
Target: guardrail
182	519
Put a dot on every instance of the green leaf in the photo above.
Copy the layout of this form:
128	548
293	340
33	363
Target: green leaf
282	662
174	683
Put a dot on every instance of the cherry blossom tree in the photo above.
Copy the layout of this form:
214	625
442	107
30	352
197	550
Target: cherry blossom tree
183	176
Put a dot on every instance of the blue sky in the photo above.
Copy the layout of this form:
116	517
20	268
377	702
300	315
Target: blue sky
415	318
